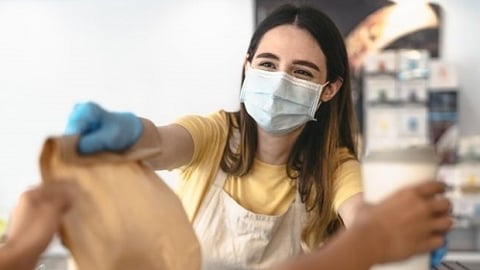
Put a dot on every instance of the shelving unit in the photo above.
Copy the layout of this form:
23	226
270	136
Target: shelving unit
395	99
410	99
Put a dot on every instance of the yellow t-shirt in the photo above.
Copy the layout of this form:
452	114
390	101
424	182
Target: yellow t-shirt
266	189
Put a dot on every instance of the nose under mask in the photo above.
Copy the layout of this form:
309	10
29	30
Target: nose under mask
279	102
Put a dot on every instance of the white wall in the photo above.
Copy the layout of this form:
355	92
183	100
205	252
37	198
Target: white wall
159	59
460	46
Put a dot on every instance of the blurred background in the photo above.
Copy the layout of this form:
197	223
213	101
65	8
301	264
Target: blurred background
416	72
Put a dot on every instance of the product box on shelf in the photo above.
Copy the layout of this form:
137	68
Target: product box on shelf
413	64
413	91
380	88
381	62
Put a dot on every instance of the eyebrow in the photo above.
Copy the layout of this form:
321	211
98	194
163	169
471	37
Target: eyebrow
296	62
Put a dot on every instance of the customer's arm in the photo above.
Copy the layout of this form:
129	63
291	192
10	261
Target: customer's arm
34	222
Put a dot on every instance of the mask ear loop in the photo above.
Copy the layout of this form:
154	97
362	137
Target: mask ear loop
321	86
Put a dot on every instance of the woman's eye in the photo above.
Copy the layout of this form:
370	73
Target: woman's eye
267	65
303	73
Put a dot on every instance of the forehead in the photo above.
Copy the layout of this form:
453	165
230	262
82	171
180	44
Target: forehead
290	42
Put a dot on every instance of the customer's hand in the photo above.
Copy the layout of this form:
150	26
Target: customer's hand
101	130
37	216
411	221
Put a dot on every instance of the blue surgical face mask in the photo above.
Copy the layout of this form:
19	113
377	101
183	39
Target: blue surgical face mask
279	102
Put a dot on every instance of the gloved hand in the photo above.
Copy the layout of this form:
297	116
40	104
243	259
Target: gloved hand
437	255
101	130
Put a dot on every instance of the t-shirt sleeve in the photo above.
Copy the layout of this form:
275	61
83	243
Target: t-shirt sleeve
348	182
208	134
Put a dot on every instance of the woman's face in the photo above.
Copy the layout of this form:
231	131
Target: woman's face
292	50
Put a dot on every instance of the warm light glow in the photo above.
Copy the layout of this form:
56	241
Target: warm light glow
387	25
410	2
407	17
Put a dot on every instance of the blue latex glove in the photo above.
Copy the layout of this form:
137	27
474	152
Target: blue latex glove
437	255
101	130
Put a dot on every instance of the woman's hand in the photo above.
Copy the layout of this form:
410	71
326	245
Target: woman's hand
410	221
101	130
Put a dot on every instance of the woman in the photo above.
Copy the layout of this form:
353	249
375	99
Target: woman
275	178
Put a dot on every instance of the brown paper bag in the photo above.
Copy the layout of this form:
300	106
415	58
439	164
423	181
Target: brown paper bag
124	217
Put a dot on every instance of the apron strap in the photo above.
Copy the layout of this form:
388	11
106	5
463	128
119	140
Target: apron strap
298	198
220	178
218	183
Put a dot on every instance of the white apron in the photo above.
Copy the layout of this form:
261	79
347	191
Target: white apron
234	238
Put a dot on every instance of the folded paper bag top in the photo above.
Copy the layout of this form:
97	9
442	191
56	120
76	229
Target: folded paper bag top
125	216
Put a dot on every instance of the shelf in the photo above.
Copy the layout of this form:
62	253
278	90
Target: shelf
463	256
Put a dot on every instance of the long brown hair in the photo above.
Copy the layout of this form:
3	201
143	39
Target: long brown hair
314	157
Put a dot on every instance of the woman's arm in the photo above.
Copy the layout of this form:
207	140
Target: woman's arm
349	249
174	140
411	221
349	209
102	130
349	181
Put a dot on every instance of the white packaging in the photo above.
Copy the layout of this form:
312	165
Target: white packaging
386	171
